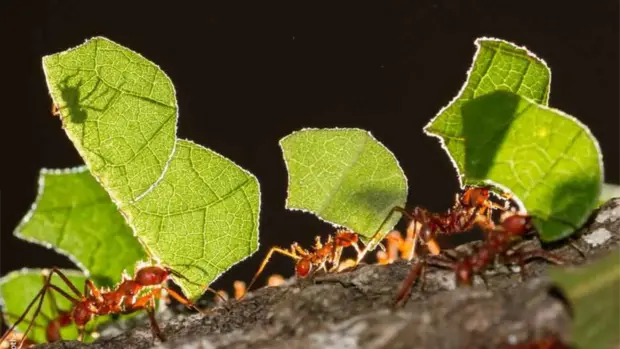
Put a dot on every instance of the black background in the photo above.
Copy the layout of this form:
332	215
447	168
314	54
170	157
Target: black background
248	74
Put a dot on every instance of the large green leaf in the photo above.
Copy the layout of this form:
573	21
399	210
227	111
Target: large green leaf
549	160
593	292
119	110
499	131
498	66
344	176
201	218
74	215
19	288
192	209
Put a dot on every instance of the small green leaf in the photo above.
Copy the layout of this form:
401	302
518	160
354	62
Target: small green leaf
74	215
547	159
19	288
344	176
593	293
201	218
498	66
120	111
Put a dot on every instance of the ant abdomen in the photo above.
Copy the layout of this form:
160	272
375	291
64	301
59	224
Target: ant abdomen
151	276
303	267
517	224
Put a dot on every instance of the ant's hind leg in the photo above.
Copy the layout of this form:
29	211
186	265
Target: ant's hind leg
150	310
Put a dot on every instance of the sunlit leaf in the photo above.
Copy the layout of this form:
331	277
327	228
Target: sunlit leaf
498	131
120	111
201	218
498	66
192	209
547	159
344	176
75	216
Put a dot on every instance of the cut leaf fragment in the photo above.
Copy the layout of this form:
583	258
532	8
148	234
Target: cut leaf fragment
547	159
344	176
120	111
192	209
201	218
498	66
593	293
499	132
75	216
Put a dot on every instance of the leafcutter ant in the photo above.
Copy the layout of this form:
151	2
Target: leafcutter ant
130	295
500	244
321	255
472	207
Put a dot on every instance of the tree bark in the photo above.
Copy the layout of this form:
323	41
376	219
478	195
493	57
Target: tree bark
353	309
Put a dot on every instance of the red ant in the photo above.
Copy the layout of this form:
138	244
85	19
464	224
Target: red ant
499	242
323	254
472	207
123	299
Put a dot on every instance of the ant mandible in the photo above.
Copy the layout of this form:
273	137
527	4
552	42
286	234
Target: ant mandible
499	243
321	254
123	299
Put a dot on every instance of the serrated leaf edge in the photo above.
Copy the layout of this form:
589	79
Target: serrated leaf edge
478	44
334	129
41	187
116	201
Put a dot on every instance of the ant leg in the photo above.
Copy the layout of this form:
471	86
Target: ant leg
522	257
373	240
405	289
292	254
150	310
39	297
207	288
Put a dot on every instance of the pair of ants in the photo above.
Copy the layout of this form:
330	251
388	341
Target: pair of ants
472	208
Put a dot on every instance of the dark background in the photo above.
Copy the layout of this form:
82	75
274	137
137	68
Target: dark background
247	75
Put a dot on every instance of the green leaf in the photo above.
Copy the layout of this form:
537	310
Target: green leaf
119	110
75	216
547	159
498	131
344	176
593	293
191	209
201	218
19	288
498	66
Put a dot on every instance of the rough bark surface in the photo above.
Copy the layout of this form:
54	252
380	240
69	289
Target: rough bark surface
354	309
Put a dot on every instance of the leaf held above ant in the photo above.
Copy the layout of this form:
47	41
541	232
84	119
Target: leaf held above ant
192	209
499	131
343	176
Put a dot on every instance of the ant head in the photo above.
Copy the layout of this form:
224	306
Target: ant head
303	267
517	224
